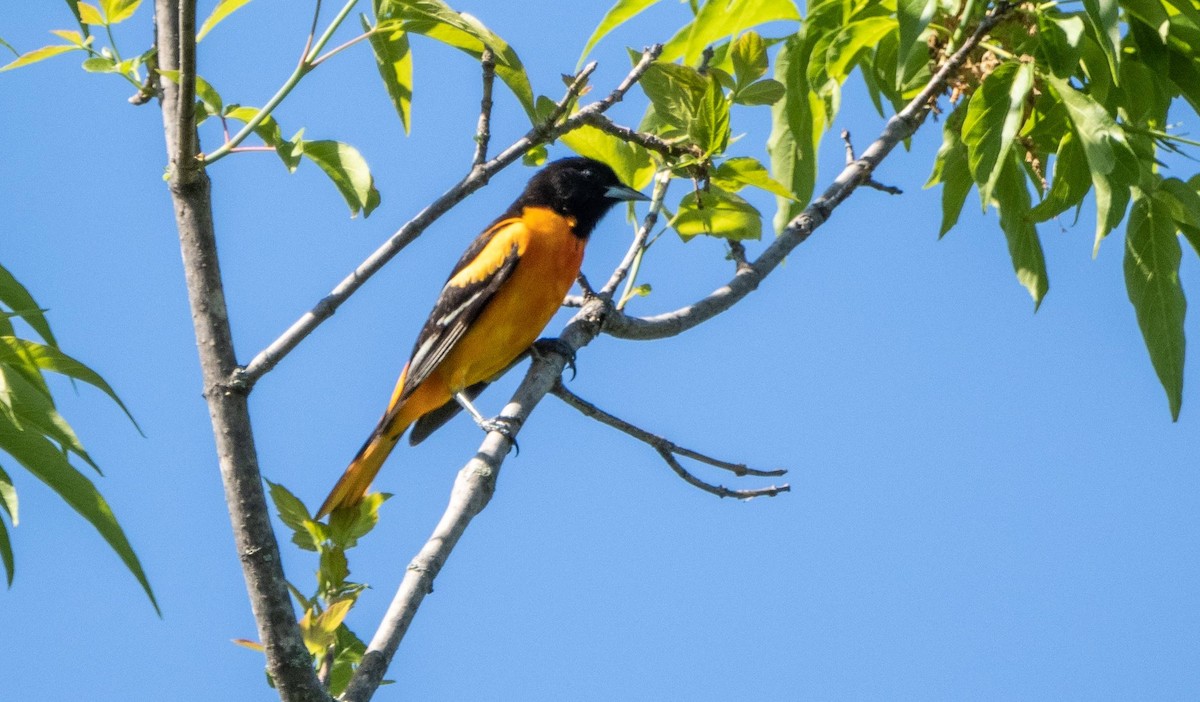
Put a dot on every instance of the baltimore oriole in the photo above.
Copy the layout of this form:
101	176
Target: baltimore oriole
501	294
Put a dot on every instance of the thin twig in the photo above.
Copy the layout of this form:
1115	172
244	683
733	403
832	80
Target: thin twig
720	490
899	127
476	179
649	141
483	133
340	48
868	180
662	180
659	443
312	33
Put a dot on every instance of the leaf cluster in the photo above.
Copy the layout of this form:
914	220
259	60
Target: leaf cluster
36	436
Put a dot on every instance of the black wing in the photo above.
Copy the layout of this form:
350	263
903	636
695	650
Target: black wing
483	268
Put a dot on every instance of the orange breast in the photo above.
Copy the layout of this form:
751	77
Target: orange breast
550	257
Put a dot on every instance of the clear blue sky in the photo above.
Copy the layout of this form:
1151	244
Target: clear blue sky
987	503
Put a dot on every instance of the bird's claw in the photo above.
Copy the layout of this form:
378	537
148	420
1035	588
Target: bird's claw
546	345
505	426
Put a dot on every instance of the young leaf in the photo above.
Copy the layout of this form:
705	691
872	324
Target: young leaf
1184	202
292	511
220	12
119	10
1152	255
90	14
735	173
1103	16
914	16
1072	180
844	49
1112	163
38	55
393	58
710	128
749	57
21	303
1058	42
436	20
48	464
994	116
717	213
8	498
6	553
617	15
719	19
1024	247
950	168
797	123
765	92
50	358
348	170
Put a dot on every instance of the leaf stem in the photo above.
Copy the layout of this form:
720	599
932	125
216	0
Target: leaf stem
306	64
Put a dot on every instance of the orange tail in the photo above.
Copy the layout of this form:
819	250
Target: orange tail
353	484
357	479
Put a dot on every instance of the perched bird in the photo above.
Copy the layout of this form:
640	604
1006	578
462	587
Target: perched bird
499	297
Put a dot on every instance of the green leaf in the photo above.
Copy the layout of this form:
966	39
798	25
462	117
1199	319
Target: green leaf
1058	42
994	116
631	163
617	15
797	123
99	64
848	46
268	130
735	173
292	511
49	465
1024	247
8	498
393	58
70	35
18	300
1071	183
220	12
34	411
436	20
749	57
1103	17
348	170
717	213
764	92
1152	13
119	10
674	91
536	156
1184	202
90	14
6	553
950	168
348	525
718	19
209	96
50	358
710	128
1112	163
913	16
1152	257
38	55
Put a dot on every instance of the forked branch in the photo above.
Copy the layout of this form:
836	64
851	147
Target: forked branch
669	450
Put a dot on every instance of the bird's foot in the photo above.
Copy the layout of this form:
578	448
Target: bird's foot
547	345
506	426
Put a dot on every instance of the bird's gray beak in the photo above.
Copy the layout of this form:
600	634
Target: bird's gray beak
621	192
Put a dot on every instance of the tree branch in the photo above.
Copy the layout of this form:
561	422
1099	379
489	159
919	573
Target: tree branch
660	443
648	141
483	133
747	278
288	660
476	179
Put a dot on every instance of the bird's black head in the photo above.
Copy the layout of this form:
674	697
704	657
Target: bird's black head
581	188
